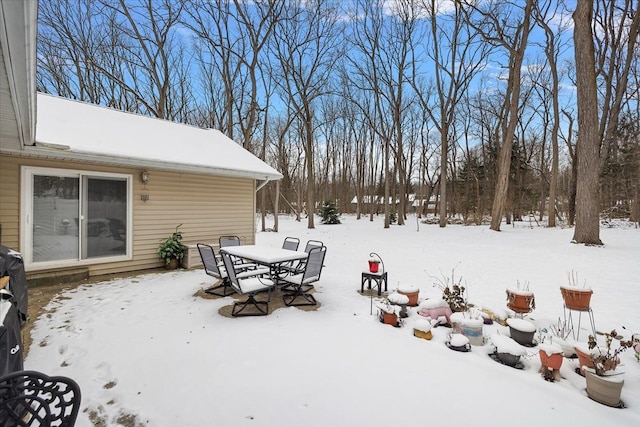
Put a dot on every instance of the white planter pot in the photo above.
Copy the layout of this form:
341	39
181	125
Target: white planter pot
605	390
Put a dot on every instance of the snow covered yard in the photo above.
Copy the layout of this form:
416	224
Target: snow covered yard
147	351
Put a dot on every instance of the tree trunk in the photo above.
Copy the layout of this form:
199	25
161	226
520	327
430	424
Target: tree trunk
587	229
444	149
513	98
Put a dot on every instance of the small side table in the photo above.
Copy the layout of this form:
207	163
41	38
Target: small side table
379	278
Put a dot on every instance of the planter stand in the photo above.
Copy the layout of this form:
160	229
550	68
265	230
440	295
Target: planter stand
577	300
568	318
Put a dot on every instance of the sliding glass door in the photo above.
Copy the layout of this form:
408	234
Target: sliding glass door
55	217
76	215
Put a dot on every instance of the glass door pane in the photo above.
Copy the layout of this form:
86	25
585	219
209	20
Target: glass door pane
55	218
105	217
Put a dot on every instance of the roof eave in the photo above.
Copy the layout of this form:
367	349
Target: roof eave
19	27
62	153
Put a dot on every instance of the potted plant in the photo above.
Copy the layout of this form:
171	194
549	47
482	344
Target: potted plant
411	292
550	361
469	324
560	336
507	351
602	386
576	298
458	342
522	331
171	251
454	293
520	299
422	329
401	301
388	313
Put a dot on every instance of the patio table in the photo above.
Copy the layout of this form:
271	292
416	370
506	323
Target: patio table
268	256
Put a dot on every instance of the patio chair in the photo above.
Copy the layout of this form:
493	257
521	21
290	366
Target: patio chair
30	398
214	269
291	243
298	267
229	241
299	285
248	282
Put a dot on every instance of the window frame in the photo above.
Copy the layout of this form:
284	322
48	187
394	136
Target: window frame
26	215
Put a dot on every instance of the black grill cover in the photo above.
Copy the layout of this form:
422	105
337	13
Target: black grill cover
11	265
10	338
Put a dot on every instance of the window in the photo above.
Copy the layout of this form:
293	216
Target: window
75	216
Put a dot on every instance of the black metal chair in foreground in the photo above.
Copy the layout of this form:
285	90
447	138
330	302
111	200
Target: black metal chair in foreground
299	285
30	398
248	282
213	268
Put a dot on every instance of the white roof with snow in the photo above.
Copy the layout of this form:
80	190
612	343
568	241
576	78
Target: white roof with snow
68	129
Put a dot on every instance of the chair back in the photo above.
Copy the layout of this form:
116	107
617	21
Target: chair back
291	243
209	260
231	272
229	241
313	244
30	398
314	265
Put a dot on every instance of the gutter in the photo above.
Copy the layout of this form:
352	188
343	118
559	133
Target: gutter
61	152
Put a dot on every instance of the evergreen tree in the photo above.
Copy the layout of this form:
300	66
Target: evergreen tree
330	214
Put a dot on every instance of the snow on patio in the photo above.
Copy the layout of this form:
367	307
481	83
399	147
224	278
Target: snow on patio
147	351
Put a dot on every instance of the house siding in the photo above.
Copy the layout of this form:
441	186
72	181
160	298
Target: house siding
207	206
8	123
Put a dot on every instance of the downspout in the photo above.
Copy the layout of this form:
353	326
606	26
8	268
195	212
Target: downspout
266	181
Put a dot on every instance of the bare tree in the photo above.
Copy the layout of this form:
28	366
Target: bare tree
457	58
68	33
306	45
150	44
498	28
616	34
553	44
587	228
366	64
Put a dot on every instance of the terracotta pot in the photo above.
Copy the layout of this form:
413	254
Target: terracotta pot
584	359
551	361
373	266
576	298
606	390
413	297
520	302
389	318
173	264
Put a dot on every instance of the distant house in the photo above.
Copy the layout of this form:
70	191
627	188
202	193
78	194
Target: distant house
93	189
413	201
